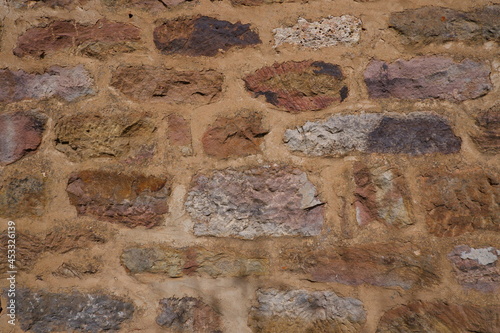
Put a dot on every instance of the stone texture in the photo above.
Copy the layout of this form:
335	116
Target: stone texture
179	133
329	31
188	314
143	83
461	201
85	265
202	36
68	83
438	317
299	86
253	202
438	24
380	264
427	77
21	133
130	199
240	135
189	261
476	268
103	133
487	138
148	5
22	196
99	40
43	312
415	134
258	2
381	195
66	4
304	311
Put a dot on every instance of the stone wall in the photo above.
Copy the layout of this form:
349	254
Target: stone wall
251	165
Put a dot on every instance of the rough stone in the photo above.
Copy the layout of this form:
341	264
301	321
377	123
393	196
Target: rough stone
487	138
476	268
299	86
381	264
427	77
241	135
202	36
148	5
258	2
179	134
103	133
43	312
143	83
439	316
381	194
253	202
329	31
22	196
415	134
438	24
68	83
99	40
188	314
66	4
130	199
461	201
21	133
85	265
191	261
304	311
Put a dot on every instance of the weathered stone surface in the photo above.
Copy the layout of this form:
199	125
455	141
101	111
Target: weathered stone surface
259	2
259	201
382	264
21	133
381	194
101	39
304	311
241	135
428	77
438	317
179	134
202	36
487	138
22	196
68	83
130	199
149	5
476	268
461	201
299	86
85	265
438	24
329	31
191	261
415	134
188	314
44	312
102	133
67	4
144	83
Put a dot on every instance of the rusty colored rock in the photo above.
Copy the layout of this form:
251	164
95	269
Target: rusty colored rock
22	196
101	39
143	83
438	317
202	36
129	199
299	86
241	135
179	134
487	138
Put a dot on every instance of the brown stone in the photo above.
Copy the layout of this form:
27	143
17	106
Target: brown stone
460	201
179	134
202	36
299	86
21	133
85	265
99	40
148	5
22	196
129	199
438	317
259	2
143	83
487	138
66	4
241	135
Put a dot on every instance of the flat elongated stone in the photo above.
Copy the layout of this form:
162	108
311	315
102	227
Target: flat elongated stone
43	312
304	311
143	83
434	77
487	138
202	36
415	134
66	4
154	6
254	202
299	86
130	199
68	83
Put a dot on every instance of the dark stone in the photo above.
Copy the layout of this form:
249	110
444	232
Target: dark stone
21	197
